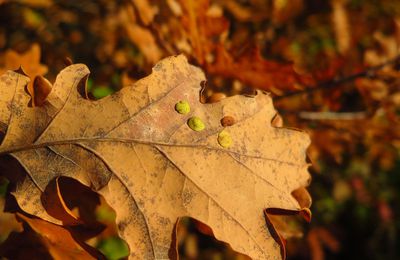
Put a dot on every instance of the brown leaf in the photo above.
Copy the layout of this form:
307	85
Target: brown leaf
36	3
140	154
245	13
8	222
319	237
41	89
303	197
201	28
145	10
57	240
341	24
253	70
139	35
284	11
56	206
201	31
29	61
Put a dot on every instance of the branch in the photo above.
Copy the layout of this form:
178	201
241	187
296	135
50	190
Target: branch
369	72
333	115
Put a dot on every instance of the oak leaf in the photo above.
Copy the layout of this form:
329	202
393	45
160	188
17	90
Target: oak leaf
135	150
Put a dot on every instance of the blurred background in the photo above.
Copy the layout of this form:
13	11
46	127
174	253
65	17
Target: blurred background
332	68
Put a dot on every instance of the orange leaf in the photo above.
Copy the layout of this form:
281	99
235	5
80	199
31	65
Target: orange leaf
29	61
255	71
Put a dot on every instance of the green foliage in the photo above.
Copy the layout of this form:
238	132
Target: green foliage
105	214
3	186
102	91
113	248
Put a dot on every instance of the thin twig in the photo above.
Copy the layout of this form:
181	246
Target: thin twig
332	115
369	72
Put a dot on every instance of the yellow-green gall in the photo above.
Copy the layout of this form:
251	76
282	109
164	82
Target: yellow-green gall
224	139
196	124
182	107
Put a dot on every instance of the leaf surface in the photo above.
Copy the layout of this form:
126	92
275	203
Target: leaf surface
140	154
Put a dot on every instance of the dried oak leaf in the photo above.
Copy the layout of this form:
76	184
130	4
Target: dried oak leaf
137	152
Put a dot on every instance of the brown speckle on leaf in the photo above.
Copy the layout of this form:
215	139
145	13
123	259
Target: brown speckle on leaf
227	121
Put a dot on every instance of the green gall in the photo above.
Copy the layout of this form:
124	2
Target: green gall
182	107
224	139
196	124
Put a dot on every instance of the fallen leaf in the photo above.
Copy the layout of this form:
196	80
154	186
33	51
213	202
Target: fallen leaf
36	3
146	11
245	13
136	151
57	240
284	11
139	35
29	61
340	20
200	28
255	71
8	222
319	237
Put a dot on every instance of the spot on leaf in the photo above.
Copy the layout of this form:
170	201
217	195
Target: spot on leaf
196	124
224	139
227	121
182	107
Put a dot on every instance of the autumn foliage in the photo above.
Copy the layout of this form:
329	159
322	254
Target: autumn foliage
153	129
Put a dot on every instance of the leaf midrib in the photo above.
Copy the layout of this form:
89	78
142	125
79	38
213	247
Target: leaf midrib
122	140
